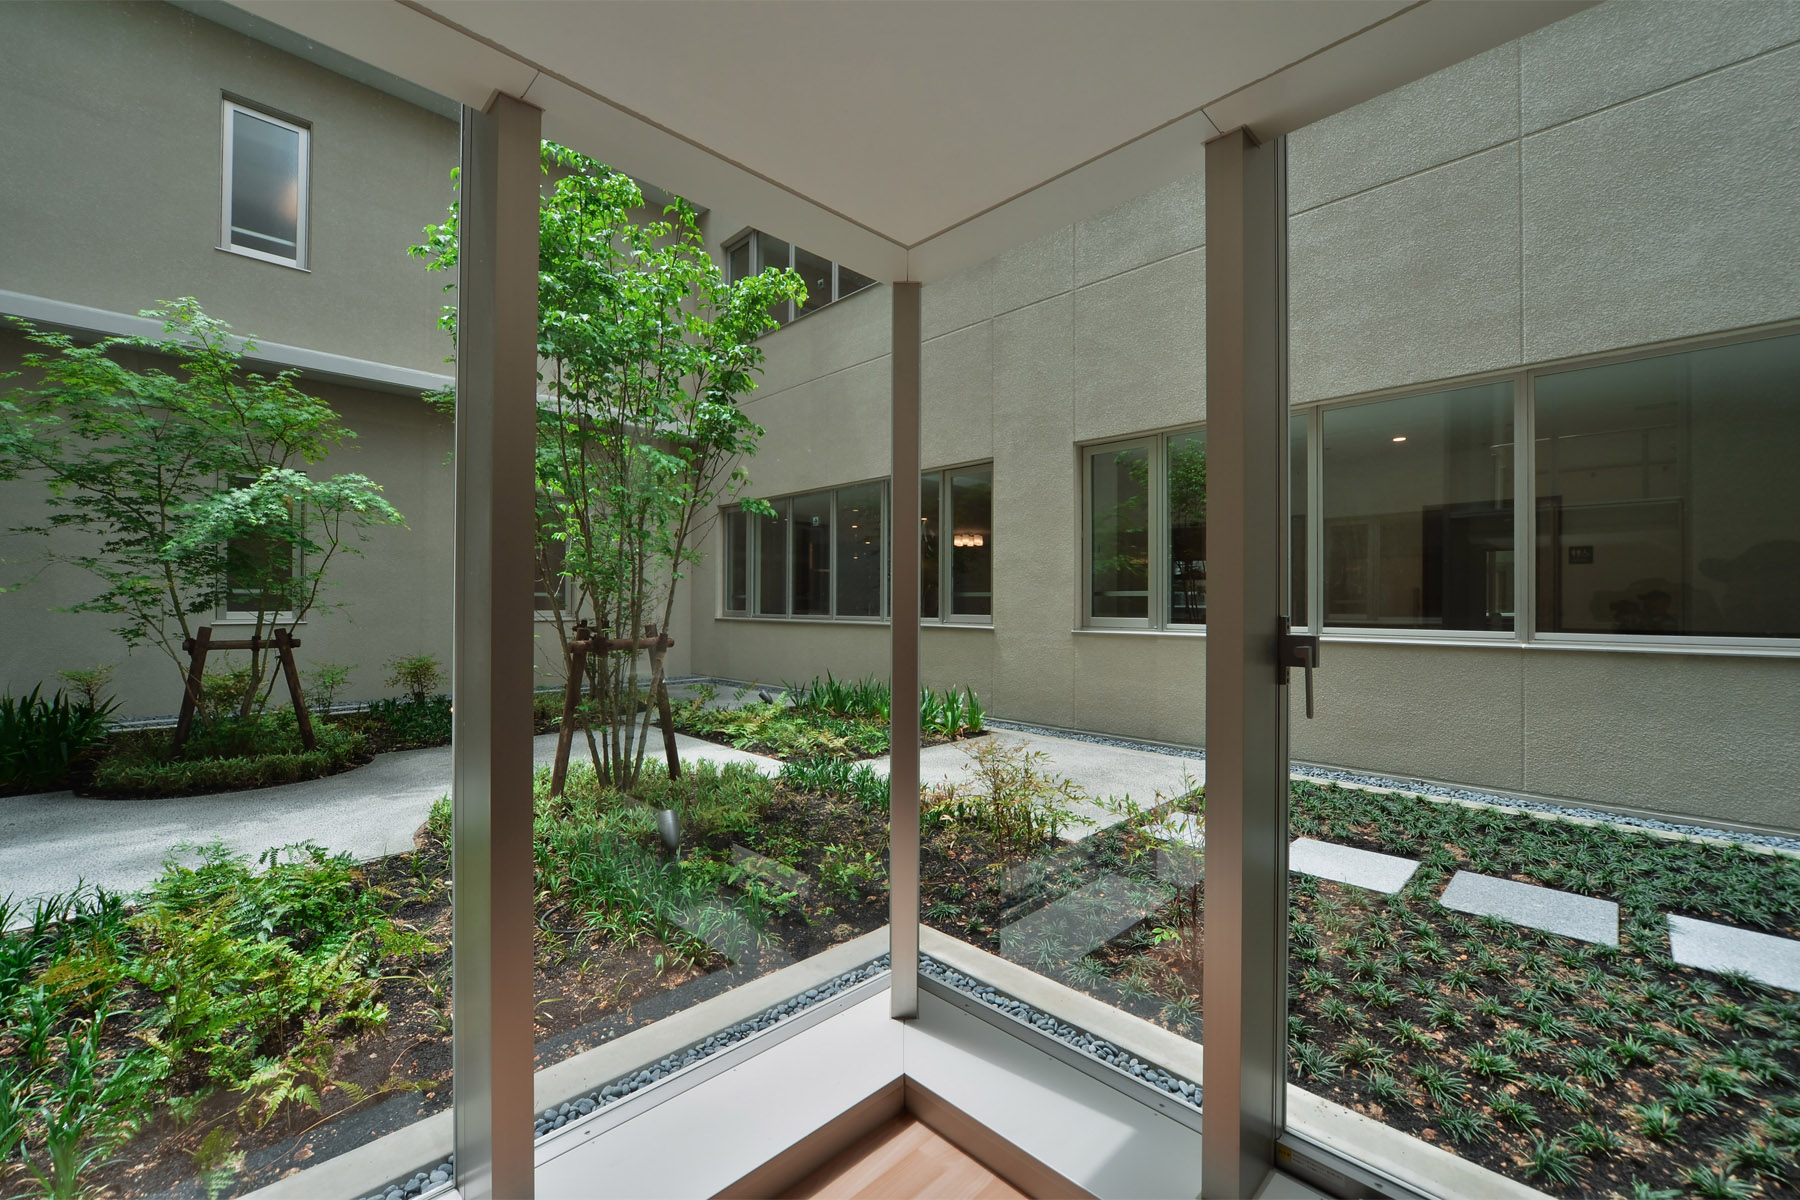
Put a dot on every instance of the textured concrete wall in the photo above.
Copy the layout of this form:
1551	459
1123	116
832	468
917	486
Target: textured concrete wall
116	109
1618	179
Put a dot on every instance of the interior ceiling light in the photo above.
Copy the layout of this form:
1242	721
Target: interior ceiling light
1400	437
966	539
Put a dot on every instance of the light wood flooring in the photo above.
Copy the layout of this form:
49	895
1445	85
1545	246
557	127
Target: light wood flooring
903	1160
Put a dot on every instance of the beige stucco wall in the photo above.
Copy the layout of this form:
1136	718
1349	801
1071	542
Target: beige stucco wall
116	109
1618	179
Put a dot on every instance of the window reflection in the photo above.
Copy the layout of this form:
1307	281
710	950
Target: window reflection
1667	501
1120	533
1418	511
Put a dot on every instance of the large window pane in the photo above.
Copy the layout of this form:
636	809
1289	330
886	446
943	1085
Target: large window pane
771	562
859	550
816	272
737	262
265	186
972	542
931	505
1120	533
1297	575
812	555
737	561
1187	528
1418	511
1667	500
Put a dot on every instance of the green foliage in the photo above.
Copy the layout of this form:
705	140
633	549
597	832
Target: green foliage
420	676
90	683
1011	800
40	739
647	352
838	777
1553	1162
186	484
783	732
324	682
850	871
408	724
252	977
258	751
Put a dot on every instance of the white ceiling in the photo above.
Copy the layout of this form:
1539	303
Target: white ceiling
911	138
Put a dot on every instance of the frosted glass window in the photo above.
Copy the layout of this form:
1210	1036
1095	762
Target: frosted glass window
265	185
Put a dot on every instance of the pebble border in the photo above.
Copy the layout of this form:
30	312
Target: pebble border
1418	787
552	1119
1184	1090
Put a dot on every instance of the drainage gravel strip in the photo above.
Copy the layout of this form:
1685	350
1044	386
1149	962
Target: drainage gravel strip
1096	1048
1417	787
552	1119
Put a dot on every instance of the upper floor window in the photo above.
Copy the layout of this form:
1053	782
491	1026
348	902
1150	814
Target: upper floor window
264	206
825	280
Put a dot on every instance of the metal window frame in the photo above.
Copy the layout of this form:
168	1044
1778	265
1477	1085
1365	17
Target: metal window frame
946	560
229	107
1151	442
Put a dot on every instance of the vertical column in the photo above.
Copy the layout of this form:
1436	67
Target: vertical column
496	430
1246	705
903	772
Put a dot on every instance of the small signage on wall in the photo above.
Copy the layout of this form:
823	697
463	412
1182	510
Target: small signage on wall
1579	555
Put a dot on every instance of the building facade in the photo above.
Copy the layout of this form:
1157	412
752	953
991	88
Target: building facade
1545	374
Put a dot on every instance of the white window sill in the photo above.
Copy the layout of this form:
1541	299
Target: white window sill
241	252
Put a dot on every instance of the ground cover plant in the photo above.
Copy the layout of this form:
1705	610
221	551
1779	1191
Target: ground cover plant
1580	1069
42	740
826	718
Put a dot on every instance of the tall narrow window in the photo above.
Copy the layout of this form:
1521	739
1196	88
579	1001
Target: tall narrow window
1297	493
931	504
1119	534
972	542
1418	511
859	542
1186	473
1667	500
771	562
265	186
737	561
812	555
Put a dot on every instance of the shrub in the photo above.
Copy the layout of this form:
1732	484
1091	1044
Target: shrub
1011	800
324	682
141	766
90	683
408	724
419	676
40	739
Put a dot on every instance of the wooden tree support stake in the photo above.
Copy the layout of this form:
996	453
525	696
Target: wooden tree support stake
201	644
588	640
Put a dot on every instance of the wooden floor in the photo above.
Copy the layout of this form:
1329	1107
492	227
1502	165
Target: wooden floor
903	1160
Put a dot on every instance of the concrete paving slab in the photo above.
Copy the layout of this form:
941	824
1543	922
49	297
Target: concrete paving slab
1081	922
1580	917
51	841
1363	868
1713	947
1102	771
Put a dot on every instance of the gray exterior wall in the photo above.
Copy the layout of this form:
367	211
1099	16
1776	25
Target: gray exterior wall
1621	179
116	107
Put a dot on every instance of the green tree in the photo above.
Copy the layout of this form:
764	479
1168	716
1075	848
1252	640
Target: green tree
646	351
186	483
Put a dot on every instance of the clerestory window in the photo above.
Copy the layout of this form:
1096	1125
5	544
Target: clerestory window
826	281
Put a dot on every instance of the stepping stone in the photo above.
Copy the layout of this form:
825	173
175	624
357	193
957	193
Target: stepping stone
1762	956
1580	917
1362	868
1081	922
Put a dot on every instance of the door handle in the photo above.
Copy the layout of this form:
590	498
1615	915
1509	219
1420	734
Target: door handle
1296	650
